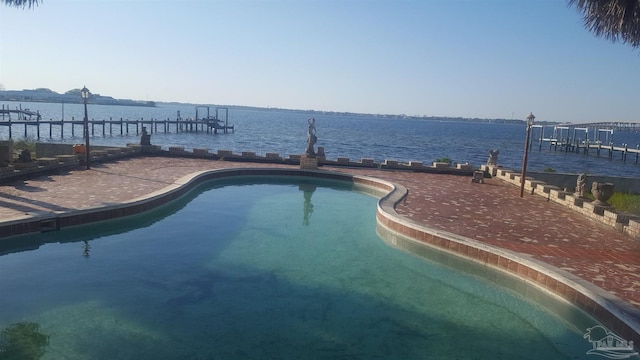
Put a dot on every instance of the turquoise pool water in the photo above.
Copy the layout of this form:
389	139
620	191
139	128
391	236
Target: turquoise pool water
269	270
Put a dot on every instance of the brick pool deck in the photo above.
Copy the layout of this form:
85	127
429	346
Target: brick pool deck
491	213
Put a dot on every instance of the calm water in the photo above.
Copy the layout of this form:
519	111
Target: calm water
283	270
284	132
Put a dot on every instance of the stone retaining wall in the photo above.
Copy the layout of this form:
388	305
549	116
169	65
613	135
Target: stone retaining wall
53	157
47	151
625	223
568	181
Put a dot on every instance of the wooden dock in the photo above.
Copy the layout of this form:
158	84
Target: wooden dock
23	114
574	138
208	124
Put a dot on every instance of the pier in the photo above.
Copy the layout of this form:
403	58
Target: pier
576	138
208	123
23	114
611	125
213	122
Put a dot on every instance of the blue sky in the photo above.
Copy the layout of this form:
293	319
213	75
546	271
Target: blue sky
468	58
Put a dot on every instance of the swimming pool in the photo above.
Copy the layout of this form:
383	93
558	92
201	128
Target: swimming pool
280	268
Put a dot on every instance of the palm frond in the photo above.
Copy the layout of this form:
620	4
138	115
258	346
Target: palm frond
615	20
21	3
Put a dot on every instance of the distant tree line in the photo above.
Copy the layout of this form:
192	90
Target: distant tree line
71	96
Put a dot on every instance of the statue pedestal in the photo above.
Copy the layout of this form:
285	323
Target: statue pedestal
308	163
150	149
25	165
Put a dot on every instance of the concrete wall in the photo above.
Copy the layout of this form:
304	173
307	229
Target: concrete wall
6	152
568	181
51	150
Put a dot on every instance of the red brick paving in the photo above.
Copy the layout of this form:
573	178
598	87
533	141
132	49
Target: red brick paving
492	213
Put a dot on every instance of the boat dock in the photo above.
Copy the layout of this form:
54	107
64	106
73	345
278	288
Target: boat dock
23	114
575	138
214	122
208	123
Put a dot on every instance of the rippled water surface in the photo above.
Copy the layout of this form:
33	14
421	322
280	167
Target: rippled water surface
356	137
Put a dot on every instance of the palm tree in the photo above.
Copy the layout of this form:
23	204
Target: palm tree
21	3
615	20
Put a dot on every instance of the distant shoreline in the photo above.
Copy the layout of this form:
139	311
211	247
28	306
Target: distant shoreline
70	97
48	96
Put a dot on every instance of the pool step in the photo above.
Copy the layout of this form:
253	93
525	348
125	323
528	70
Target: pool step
50	225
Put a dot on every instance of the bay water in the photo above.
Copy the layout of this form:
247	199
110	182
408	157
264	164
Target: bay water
342	135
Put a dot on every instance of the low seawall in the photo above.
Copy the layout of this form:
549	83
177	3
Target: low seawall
52	156
568	181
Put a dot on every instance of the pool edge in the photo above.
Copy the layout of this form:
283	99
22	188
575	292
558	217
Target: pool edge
616	314
619	316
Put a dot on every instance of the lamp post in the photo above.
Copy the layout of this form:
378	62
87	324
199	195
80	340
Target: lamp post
530	119
85	96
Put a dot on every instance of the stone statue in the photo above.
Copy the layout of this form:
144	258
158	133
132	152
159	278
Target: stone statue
311	138
580	184
145	139
493	157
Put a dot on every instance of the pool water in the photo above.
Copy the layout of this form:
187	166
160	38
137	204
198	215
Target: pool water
267	270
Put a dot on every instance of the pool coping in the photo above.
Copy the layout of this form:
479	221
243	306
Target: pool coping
619	316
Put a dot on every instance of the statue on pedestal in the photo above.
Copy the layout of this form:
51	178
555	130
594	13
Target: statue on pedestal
311	138
493	157
145	139
580	184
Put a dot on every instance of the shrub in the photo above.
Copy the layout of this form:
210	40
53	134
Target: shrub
621	202
25	144
624	202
